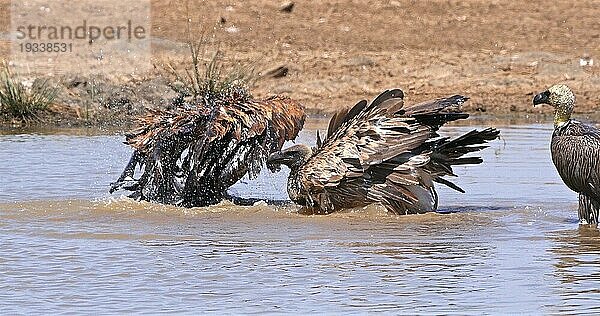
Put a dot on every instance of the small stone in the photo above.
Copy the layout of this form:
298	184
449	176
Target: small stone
287	7
586	61
278	72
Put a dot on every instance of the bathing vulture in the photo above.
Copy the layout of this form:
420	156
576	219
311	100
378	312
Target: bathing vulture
191	154
575	149
382	152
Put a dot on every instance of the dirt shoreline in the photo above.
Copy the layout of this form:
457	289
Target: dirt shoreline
499	53
98	103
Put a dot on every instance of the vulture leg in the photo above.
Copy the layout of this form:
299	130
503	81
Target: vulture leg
240	200
126	180
588	209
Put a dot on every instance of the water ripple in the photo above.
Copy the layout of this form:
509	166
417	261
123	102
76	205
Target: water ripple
511	244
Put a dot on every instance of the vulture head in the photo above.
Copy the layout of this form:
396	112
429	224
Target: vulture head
293	157
561	98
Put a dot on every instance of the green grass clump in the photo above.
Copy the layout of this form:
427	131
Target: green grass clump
208	79
20	102
206	76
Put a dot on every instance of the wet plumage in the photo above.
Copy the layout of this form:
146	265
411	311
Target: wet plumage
575	149
383	152
192	154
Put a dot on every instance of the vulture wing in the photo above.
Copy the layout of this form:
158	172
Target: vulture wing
194	153
381	152
575	152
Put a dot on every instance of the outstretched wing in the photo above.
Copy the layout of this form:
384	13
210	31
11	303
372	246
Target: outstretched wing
369	135
386	152
194	153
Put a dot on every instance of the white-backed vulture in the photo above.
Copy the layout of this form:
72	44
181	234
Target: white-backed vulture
384	152
575	149
192	154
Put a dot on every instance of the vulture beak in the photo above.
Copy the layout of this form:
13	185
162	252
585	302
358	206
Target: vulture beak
274	161
542	98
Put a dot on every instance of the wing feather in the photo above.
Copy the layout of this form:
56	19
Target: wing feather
194	152
360	141
575	153
388	152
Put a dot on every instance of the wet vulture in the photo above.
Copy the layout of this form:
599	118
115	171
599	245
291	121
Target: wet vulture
383	152
575	149
191	155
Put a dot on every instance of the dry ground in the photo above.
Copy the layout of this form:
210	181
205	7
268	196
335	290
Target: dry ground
497	52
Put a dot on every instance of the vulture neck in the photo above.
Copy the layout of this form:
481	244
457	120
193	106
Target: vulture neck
293	186
562	115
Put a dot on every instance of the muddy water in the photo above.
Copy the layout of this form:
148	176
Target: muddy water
511	244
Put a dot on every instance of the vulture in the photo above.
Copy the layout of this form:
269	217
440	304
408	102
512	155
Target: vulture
575	149
190	155
382	152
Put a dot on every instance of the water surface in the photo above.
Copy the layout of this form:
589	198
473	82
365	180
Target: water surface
511	244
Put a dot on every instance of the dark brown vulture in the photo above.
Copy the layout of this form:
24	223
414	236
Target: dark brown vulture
383	152
192	154
575	149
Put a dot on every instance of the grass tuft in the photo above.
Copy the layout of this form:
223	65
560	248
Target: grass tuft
206	77
21	102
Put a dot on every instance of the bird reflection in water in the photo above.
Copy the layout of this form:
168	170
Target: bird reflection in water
576	268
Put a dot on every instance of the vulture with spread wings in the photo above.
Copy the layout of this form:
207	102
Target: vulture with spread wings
383	152
192	154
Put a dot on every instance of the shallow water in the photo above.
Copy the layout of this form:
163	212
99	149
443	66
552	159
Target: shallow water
512	243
